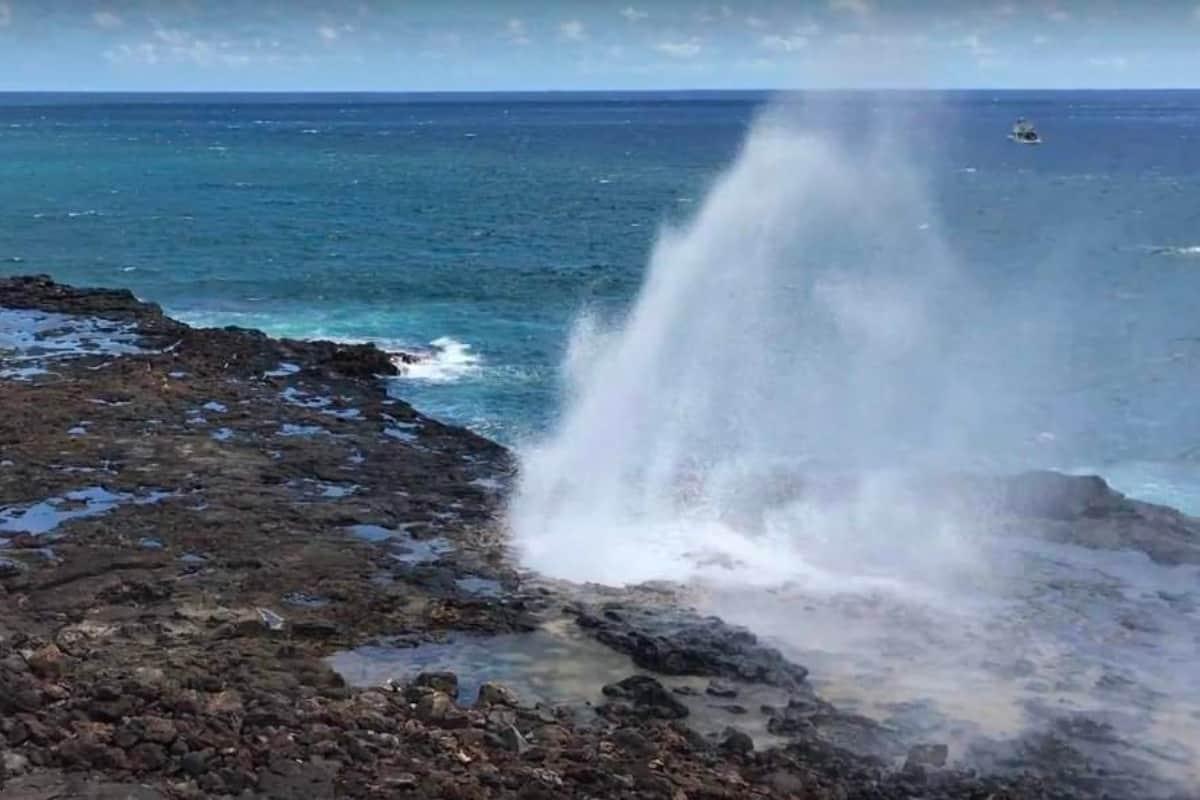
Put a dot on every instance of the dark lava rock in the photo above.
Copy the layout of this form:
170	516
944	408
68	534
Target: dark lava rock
682	643
496	694
735	741
633	741
1052	495
446	682
147	757
644	696
349	360
1084	510
721	689
195	763
927	755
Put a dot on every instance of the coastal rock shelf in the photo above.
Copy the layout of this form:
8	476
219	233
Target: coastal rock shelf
227	561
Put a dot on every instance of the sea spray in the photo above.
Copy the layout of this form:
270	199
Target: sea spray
800	318
776	420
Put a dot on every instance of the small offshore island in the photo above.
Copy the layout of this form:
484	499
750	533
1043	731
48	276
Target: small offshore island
217	551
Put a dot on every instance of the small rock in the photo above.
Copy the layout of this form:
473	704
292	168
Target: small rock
648	697
633	741
271	620
735	741
720	689
927	755
158	729
47	661
446	682
405	780
147	757
314	629
434	706
787	782
195	763
13	763
513	740
496	694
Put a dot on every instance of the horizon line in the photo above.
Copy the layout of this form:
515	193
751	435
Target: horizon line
589	91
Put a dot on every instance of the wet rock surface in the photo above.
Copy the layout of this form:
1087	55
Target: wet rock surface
179	564
687	644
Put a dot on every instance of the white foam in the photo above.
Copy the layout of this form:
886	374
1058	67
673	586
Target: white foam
1186	250
449	360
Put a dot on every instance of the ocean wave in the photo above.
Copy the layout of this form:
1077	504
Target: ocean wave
1186	250
449	360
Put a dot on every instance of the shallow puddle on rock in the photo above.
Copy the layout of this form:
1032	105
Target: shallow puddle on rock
31	339
484	587
557	664
282	371
289	429
45	517
298	397
401	546
304	600
323	490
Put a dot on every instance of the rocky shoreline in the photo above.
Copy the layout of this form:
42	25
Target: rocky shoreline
195	523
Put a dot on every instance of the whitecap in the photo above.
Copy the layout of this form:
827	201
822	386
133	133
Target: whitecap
1186	250
449	361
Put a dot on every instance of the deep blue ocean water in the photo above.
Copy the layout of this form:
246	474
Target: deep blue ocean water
495	220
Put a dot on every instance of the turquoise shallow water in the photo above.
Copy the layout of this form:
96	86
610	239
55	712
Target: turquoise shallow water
491	222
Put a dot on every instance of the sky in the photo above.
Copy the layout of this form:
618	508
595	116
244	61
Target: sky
494	45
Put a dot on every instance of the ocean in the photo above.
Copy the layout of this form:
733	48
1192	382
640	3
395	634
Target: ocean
696	314
481	228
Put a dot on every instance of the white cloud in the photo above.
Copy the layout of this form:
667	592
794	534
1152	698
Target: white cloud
328	33
516	32
758	23
1058	15
976	46
5	14
573	30
1041	39
107	20
859	8
684	49
1110	62
173	45
633	14
784	44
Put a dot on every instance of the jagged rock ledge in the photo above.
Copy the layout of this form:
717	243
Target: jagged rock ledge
192	521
